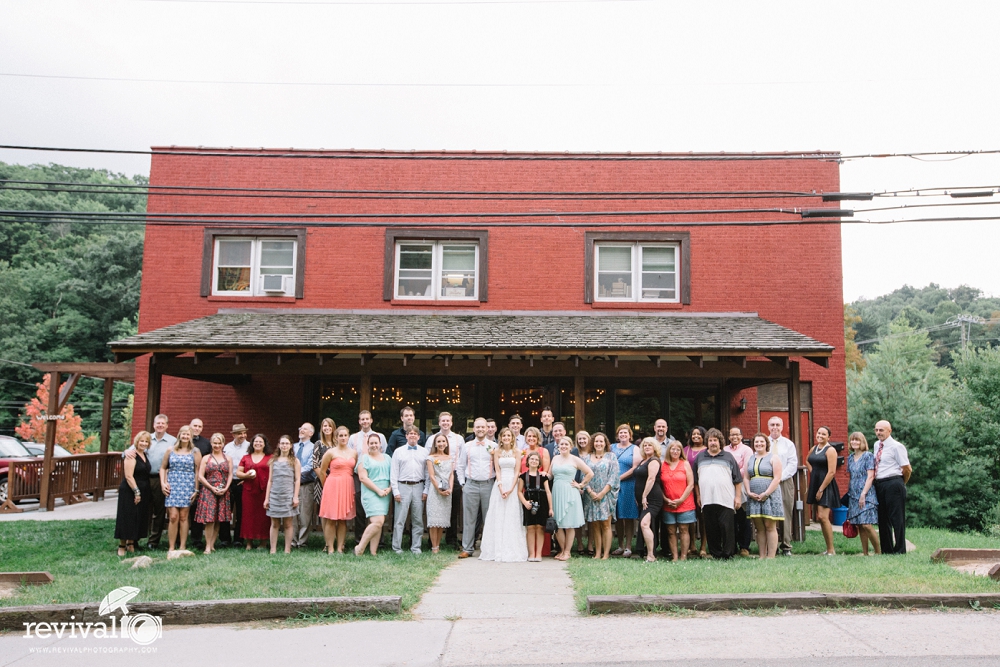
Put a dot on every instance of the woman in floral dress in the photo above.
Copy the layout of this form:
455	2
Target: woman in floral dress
601	494
216	476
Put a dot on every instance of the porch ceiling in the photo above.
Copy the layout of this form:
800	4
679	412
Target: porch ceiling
708	334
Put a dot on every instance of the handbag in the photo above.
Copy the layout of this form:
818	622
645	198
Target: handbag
850	530
550	525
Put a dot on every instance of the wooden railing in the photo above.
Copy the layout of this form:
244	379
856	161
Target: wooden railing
73	478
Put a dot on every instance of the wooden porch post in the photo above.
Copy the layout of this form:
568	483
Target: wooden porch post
153	384
366	392
579	404
109	387
45	500
795	435
726	408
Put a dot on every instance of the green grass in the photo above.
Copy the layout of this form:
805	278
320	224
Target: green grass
80	555
806	571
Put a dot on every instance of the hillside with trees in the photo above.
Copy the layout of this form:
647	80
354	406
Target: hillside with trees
66	289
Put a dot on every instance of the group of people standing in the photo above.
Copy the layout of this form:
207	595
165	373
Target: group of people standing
511	492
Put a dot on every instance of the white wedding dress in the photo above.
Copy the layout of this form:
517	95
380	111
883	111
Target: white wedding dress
503	530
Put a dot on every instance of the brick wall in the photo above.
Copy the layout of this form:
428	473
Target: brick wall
790	274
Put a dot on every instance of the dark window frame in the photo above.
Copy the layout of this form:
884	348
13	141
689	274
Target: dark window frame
208	253
684	238
392	236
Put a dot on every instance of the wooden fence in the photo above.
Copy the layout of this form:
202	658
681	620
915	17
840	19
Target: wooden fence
73	478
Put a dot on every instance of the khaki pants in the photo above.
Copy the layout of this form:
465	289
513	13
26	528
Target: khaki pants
306	516
788	501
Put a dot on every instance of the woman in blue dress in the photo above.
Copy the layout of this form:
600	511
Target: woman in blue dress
626	510
567	506
600	497
373	471
177	479
862	508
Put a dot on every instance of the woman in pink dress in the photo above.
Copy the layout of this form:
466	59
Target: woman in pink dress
255	471
336	475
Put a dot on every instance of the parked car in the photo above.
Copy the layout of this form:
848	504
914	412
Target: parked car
38	449
10	449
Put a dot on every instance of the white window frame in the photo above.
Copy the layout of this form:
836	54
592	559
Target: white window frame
437	254
256	280
636	264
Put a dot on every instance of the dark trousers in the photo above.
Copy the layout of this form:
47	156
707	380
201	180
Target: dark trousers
360	518
157	512
891	495
744	528
451	534
720	530
230	532
197	529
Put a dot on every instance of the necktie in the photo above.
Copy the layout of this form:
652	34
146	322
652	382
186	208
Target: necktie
298	454
878	455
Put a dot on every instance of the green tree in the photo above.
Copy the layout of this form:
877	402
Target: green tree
951	485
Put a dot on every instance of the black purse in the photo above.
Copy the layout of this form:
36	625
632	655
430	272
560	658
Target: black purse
550	525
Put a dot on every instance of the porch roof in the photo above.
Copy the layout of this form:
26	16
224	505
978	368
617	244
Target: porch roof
394	332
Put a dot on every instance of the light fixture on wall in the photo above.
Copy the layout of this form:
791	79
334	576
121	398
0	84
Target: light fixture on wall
743	405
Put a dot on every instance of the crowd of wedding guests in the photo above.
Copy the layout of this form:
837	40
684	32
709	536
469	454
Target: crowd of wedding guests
515	496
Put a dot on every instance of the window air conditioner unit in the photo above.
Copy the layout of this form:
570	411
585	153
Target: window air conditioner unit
274	283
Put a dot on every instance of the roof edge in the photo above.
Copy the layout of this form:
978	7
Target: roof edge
471	311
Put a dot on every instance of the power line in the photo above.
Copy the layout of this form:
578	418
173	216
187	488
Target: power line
389	2
443	155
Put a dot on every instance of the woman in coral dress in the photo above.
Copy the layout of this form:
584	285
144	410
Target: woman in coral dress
336	475
254	470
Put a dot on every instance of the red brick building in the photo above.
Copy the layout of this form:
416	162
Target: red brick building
280	286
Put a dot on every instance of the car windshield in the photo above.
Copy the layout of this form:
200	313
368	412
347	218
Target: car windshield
11	448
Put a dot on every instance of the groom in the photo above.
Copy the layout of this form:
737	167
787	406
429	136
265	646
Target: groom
475	473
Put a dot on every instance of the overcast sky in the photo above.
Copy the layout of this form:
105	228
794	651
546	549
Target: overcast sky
613	75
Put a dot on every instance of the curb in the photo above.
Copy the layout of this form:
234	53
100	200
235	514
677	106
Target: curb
630	604
197	612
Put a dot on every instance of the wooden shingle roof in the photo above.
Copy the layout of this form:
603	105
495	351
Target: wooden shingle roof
421	333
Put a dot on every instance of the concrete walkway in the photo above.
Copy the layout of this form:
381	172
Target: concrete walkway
102	509
471	588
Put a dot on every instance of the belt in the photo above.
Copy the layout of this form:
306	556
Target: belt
888	479
419	481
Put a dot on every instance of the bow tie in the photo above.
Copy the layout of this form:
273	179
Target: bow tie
412	447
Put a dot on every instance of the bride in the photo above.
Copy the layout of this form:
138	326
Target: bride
503	531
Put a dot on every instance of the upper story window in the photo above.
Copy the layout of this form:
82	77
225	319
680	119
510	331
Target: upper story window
241	264
436	270
644	267
636	272
438	265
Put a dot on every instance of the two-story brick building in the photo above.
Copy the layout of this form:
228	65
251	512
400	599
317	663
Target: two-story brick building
282	286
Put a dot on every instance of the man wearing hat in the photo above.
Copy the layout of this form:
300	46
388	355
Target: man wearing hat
235	450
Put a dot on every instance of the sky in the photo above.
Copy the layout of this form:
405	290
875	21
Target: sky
577	75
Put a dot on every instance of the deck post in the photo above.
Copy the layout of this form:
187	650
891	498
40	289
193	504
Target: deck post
44	497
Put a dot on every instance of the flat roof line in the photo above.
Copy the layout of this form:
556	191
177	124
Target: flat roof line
481	313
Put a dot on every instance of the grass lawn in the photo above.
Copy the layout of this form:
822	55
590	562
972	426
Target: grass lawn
808	570
80	555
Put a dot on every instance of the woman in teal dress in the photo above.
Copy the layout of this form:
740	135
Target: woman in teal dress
373	471
567	507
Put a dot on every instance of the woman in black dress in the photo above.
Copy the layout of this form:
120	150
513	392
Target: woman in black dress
134	494
534	493
823	490
649	493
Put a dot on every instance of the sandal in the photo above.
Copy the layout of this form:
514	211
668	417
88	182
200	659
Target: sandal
618	552
121	552
627	553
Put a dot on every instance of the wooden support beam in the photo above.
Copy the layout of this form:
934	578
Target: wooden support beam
699	361
579	404
365	397
109	389
407	358
66	390
783	361
576	360
154	382
820	361
531	362
725	406
319	358
365	358
447	360
795	431
489	360
163	356
45	499
614	358
742	361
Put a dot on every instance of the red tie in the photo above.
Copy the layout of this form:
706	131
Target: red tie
878	456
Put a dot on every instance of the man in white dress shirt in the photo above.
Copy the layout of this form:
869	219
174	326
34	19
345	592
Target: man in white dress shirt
457	443
359	443
408	479
785	451
475	472
515	424
236	449
892	472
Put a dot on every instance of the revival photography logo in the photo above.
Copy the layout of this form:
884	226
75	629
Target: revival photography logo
141	629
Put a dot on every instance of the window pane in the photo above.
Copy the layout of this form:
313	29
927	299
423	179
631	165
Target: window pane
614	285
414	283
659	286
614	258
658	259
458	258
277	254
234	253
415	257
233	279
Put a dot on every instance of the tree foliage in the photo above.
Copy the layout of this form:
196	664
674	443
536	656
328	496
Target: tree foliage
69	429
954	482
66	289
